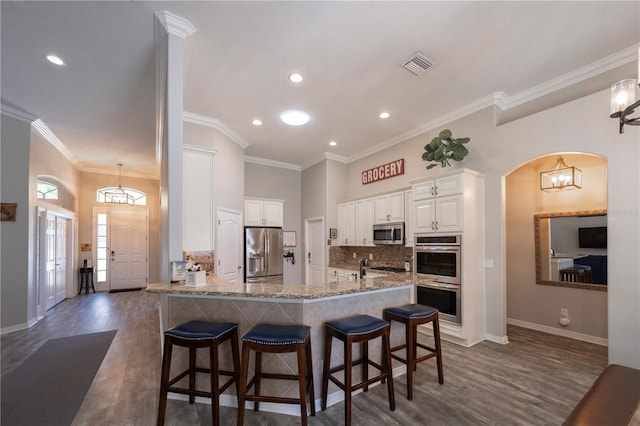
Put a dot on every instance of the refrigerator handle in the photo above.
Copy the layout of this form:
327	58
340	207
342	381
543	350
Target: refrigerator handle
267	249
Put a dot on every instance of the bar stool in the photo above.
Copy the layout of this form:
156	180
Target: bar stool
193	335
412	316
274	339
359	329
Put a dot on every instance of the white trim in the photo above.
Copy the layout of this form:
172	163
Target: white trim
214	123
503	340
271	163
327	156
558	332
13	328
194	148
175	25
17	114
50	137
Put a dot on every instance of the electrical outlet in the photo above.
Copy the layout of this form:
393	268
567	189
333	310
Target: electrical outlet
370	256
564	312
354	255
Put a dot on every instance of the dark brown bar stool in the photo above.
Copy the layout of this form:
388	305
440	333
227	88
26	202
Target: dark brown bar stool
193	335
277	339
359	329
412	316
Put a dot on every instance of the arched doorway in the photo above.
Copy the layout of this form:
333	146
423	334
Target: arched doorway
539	306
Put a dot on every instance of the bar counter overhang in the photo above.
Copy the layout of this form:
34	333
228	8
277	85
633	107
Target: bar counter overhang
312	305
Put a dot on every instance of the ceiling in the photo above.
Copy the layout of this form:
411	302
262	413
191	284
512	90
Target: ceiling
101	104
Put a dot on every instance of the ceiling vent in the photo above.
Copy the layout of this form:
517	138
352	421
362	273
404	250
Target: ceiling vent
418	64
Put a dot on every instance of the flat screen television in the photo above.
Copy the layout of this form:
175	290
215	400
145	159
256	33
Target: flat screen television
594	237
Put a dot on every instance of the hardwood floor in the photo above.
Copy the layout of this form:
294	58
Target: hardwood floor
534	380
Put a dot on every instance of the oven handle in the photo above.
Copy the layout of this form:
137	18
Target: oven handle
435	284
426	248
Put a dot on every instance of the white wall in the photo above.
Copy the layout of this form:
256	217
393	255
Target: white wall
262	181
582	125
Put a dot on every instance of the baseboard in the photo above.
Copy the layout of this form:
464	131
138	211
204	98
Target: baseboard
565	333
503	340
13	328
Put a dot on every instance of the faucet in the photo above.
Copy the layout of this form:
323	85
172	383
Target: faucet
363	271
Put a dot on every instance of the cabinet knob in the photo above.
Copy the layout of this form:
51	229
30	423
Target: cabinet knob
433	225
436	225
435	190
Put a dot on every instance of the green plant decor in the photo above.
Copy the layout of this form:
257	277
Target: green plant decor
443	148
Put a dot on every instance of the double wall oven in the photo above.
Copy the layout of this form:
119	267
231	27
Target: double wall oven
437	265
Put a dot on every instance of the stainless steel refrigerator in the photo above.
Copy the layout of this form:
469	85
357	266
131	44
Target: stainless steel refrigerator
263	261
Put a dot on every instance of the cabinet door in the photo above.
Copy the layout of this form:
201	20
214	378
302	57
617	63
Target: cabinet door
449	213
273	213
423	216
396	207
423	190
449	185
364	221
408	222
253	212
381	209
347	223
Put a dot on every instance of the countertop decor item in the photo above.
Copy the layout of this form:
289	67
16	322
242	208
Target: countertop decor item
443	148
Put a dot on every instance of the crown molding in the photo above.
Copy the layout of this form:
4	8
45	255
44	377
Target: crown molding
17	114
174	24
593	69
326	156
271	163
50	137
108	170
214	123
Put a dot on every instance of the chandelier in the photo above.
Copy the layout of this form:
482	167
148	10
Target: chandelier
119	196
624	100
561	177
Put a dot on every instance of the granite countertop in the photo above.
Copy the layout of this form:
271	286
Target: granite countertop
218	287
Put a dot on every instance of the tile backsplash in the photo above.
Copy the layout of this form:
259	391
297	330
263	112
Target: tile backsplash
391	255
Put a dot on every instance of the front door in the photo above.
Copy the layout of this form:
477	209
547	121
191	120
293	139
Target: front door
315	251
230	244
128	249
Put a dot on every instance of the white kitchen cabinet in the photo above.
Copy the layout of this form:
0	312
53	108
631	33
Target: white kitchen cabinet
408	221
440	214
438	187
347	223
389	208
263	212
197	199
364	221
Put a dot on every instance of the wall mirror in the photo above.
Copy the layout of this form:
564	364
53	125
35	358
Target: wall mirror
571	249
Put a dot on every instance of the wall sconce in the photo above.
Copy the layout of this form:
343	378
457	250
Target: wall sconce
623	100
561	177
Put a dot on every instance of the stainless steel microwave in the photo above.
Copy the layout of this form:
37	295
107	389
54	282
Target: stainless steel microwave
388	233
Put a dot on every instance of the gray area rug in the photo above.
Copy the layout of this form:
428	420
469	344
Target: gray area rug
49	386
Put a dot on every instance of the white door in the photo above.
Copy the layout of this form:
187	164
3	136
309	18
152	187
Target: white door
315	251
61	259
128	249
50	263
230	242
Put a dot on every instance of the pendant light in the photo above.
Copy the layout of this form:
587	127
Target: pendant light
119	196
561	177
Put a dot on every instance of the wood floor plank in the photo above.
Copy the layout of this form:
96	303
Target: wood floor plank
536	379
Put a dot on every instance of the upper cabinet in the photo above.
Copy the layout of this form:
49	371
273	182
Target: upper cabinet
263	213
389	208
364	221
347	224
439	203
408	220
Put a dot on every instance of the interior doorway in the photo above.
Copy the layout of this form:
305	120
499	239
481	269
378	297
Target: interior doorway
315	251
54	265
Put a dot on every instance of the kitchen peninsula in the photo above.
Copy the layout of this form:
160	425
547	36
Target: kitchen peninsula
312	305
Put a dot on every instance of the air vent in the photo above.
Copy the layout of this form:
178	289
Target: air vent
418	64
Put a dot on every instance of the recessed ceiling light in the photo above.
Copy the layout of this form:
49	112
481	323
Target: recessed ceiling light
257	122
333	143
384	115
294	117
55	60
295	78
